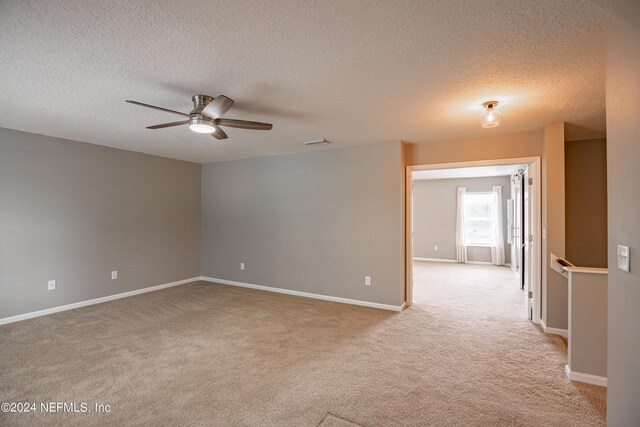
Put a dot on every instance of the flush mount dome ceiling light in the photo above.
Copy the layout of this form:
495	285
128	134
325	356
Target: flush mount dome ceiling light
491	116
205	116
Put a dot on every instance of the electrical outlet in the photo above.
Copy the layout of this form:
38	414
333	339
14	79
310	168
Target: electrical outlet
242	266
435	248
114	275
51	285
367	280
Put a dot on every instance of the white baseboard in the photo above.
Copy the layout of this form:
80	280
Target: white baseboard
585	378
554	331
100	300
305	294
415	258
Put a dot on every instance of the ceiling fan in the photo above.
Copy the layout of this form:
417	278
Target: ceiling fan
205	116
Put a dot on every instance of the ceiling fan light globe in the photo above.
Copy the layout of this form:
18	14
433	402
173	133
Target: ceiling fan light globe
201	124
201	128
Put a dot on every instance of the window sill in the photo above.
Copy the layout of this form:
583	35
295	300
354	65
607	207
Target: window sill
478	245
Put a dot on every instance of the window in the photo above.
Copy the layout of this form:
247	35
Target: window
478	219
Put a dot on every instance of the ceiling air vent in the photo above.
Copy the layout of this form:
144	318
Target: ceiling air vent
317	141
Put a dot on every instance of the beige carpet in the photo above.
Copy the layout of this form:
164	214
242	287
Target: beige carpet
204	354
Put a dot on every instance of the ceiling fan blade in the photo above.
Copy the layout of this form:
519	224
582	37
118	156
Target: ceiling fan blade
243	124
168	125
217	107
157	108
219	133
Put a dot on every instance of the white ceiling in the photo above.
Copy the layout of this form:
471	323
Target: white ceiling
354	72
472	172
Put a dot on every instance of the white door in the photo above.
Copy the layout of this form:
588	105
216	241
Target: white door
511	224
527	240
517	230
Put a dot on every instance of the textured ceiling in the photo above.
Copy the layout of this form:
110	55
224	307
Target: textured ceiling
354	72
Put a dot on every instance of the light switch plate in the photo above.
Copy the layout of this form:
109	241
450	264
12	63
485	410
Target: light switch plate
114	275
623	258
51	285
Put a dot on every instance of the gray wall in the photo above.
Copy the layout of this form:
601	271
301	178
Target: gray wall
315	222
585	184
623	166
587	343
434	216
73	212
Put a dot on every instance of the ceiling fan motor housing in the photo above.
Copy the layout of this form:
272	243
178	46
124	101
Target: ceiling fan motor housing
195	116
199	102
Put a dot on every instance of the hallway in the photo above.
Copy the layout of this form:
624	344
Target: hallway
482	310
486	288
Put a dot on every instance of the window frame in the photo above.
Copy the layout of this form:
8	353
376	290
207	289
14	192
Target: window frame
490	218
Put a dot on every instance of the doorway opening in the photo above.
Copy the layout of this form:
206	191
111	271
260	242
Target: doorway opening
474	222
